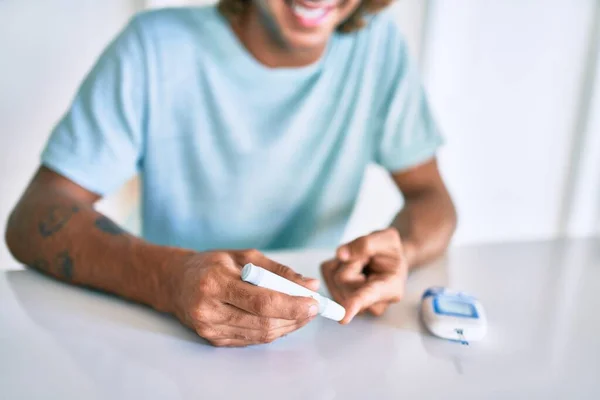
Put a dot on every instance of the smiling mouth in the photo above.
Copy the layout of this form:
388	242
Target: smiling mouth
311	13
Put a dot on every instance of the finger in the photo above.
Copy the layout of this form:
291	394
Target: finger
328	270
238	318
268	303
229	343
352	272
261	260
386	241
378	309
369	294
329	266
252	336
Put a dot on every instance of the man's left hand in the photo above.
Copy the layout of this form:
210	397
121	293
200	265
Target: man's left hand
368	274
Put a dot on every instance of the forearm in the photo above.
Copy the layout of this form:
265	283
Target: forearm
60	236
426	225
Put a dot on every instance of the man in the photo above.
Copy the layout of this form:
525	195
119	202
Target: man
251	125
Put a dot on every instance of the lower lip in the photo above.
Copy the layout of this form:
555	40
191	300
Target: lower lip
311	22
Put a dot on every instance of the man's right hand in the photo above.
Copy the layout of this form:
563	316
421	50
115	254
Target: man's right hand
214	301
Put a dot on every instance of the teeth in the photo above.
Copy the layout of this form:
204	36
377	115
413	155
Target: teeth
324	3
309	13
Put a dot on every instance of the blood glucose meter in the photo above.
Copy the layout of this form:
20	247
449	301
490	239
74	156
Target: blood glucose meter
453	315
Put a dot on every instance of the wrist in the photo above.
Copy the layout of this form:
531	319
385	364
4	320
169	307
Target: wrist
170	266
410	253
410	248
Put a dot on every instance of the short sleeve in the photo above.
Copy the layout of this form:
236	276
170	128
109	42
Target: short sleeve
407	134
98	143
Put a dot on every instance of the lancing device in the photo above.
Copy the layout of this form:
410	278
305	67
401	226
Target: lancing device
266	279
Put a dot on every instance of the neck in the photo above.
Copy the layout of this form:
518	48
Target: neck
264	41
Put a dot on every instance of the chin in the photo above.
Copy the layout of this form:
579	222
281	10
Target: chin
303	42
306	24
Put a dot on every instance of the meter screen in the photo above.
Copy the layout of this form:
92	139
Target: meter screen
445	305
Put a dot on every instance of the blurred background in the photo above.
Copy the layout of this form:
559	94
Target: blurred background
514	84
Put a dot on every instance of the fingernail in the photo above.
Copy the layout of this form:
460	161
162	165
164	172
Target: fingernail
313	310
346	320
310	281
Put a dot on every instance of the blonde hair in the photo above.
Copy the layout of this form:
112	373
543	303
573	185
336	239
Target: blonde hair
234	8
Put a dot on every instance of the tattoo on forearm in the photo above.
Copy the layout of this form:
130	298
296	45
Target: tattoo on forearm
58	216
65	265
62	266
106	225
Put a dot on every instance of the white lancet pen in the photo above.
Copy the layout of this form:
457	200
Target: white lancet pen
266	279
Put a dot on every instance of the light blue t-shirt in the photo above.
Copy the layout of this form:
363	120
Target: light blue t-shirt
231	153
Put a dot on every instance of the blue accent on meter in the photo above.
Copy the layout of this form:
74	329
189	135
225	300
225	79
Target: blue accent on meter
434	291
455	306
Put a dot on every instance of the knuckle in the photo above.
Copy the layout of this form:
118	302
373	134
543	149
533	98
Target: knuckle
299	312
202	312
393	234
206	332
219	259
268	337
364	244
252	254
282	270
210	279
207	283
260	304
296	276
198	315
267	324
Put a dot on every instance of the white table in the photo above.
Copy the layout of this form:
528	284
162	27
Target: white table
542	299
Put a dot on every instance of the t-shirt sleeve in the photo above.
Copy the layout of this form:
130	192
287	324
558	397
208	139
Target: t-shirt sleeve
407	134
98	142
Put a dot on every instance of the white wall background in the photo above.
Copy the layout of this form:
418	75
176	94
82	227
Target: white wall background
515	85
507	78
